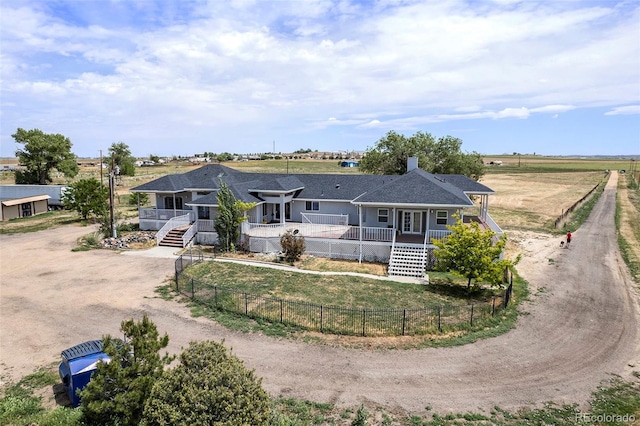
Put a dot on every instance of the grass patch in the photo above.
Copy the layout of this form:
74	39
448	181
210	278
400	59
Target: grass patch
581	214
351	291
290	285
20	406
38	222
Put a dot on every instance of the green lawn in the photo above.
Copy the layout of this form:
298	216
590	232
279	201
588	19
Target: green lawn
341	290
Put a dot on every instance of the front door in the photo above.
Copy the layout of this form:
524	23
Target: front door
411	222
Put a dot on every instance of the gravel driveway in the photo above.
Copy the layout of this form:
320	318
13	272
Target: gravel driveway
582	326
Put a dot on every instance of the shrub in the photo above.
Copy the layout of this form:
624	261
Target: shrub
211	386
292	246
118	389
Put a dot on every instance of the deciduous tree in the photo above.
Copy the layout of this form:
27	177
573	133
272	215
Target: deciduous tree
121	155
211	386
472	253
443	155
87	196
41	154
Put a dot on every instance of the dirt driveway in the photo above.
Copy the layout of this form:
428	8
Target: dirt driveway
582	326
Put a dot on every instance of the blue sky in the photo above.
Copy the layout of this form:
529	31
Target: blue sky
180	77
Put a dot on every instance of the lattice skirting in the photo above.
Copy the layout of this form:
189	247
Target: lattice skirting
331	248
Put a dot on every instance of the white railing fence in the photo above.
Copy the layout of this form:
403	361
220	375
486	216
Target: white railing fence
163	214
438	235
325	219
191	232
206	225
174	222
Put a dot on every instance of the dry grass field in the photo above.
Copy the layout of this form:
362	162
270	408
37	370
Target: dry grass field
532	201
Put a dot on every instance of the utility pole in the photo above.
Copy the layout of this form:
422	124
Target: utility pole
112	221
101	166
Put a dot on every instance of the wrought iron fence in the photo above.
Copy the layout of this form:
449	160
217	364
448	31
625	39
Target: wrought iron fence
340	320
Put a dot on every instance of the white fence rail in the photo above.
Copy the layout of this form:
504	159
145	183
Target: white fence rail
324	247
206	225
191	232
164	214
174	222
369	233
325	219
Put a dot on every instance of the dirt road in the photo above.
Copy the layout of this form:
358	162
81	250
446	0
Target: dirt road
581	327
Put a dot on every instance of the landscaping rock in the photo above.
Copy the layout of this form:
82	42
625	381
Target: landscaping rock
126	241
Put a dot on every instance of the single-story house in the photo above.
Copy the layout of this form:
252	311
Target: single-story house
386	218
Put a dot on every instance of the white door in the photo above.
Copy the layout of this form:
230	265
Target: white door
411	222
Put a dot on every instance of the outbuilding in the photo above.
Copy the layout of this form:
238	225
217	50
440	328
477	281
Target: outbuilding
24	207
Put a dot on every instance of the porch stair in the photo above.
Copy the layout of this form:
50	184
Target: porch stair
174	237
407	260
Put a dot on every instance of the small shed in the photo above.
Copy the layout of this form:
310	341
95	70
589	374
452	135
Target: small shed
349	164
78	363
24	206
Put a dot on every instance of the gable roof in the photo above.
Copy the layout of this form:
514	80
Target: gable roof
416	188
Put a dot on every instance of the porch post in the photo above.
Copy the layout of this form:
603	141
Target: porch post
174	204
360	231
282	209
428	229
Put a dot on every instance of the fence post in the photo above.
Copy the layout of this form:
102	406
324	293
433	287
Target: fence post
364	313
404	319
280	311
246	304
493	307
472	315
215	294
321	329
439	324
193	295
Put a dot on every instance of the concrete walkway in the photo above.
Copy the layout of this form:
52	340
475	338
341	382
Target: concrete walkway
173	252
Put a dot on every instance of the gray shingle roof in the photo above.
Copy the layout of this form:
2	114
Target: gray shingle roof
416	187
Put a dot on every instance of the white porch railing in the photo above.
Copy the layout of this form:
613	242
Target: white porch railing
493	225
164	214
174	222
369	233
206	225
191	232
325	219
438	235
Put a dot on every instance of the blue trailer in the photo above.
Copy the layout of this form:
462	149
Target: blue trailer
78	363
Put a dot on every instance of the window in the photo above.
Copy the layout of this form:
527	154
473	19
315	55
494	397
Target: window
442	217
203	212
383	215
264	209
168	203
312	205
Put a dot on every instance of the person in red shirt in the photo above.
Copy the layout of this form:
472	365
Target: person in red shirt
568	238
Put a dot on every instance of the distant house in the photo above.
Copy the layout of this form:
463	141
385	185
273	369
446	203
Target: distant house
385	218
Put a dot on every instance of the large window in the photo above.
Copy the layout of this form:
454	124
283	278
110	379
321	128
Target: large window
383	215
442	217
312	206
168	203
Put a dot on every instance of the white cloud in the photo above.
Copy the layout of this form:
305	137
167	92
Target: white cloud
399	65
625	110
